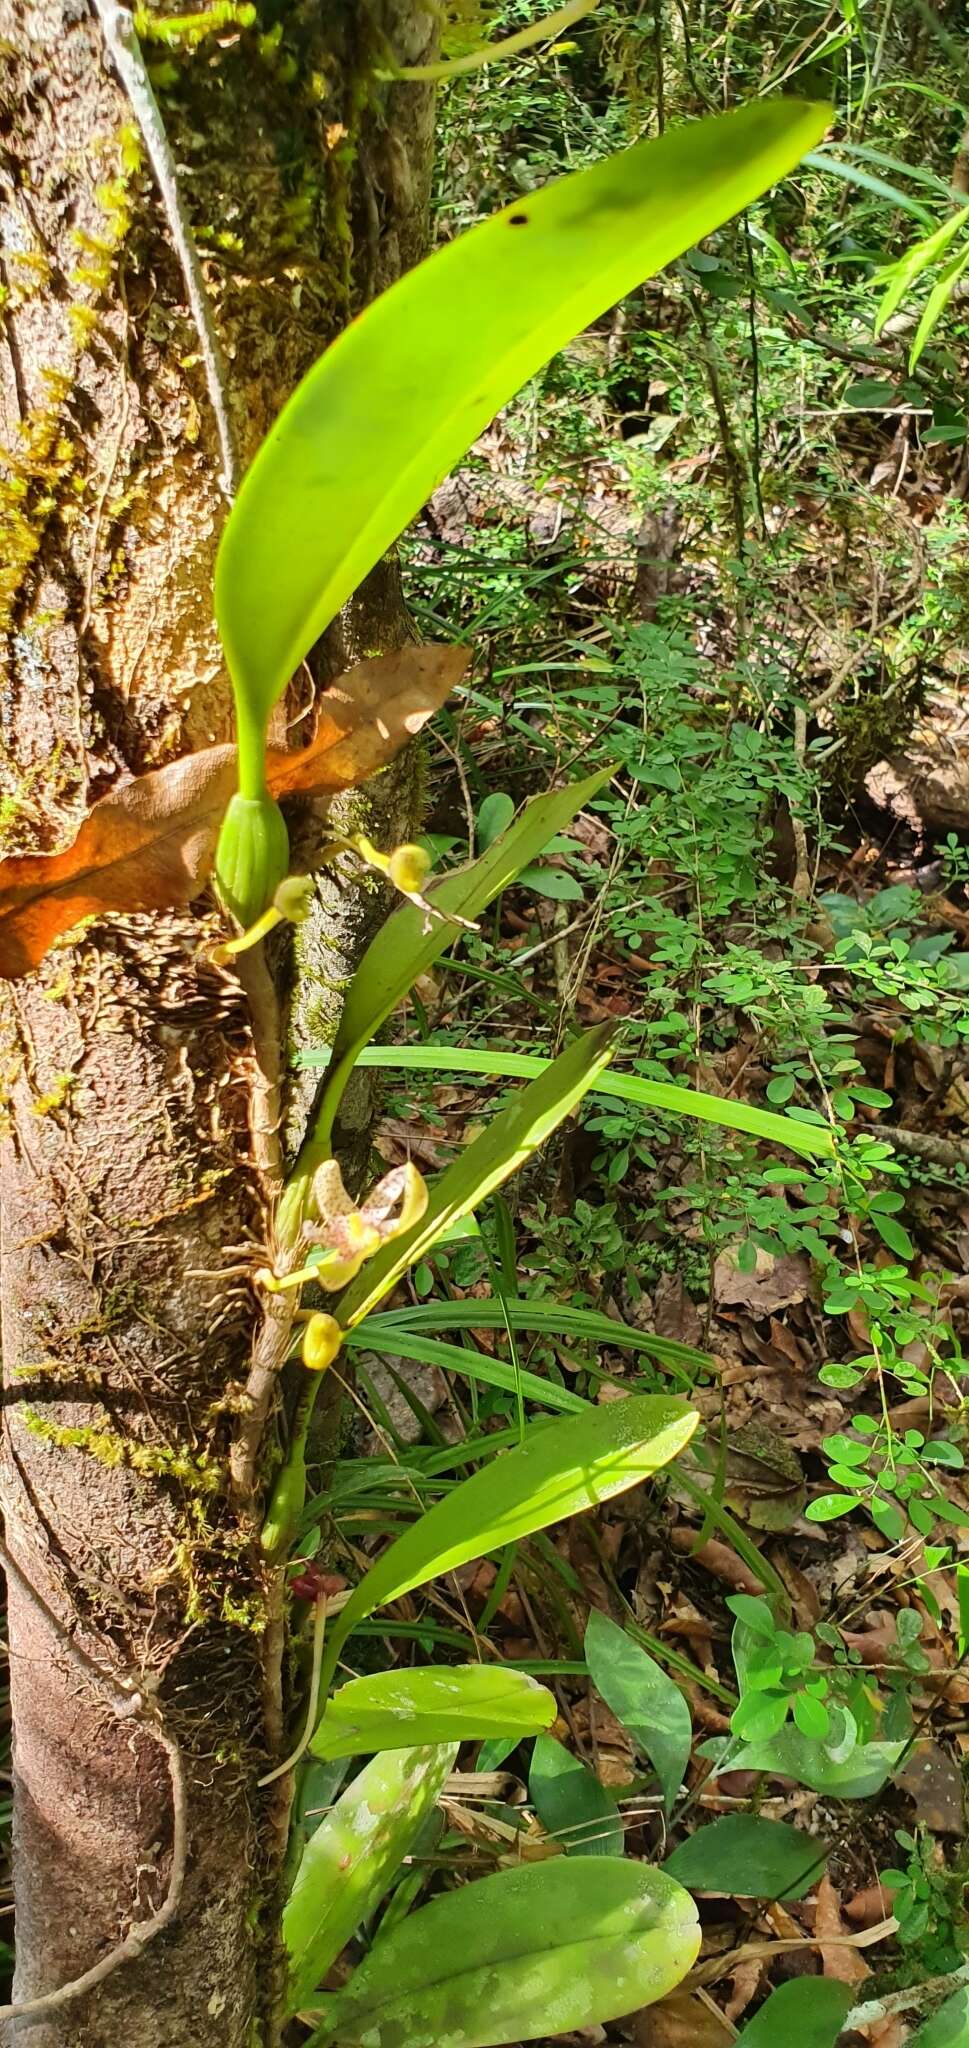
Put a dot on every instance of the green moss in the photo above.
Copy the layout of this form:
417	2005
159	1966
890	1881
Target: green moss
187	31
248	1613
43	462
100	1441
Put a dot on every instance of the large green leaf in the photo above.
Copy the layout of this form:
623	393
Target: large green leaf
789	1754
643	1697
541	1950
743	1854
559	1469
501	1149
570	1802
902	275
456	1703
410	384
807	2013
814	1141
348	1863
949	2027
409	942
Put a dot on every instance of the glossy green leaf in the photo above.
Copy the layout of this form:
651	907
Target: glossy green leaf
902	275
949	2027
471	1363
559	1318
490	1159
545	1949
814	1141
934	308
789	1754
408	943
555	883
559	1469
643	1697
457	1703
744	1855
348	1863
570	1802
410	384
808	2013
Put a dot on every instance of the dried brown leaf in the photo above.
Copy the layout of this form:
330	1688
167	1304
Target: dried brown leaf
683	2020
774	1283
151	843
838	1961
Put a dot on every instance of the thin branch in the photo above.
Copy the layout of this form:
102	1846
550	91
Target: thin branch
124	48
130	1704
720	1966
918	1998
928	1145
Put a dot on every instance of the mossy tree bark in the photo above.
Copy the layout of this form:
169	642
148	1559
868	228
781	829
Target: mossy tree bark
134	1198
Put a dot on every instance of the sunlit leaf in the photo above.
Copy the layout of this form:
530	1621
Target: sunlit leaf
456	1703
490	1159
409	942
743	1854
813	1140
902	275
549	1948
467	1360
149	845
410	384
643	1697
789	1754
936	303
348	1863
570	1802
559	1469
560	1319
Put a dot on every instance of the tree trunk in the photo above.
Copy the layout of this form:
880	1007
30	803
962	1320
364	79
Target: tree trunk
135	1190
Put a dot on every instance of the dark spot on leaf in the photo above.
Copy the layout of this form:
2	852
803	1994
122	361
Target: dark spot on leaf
517	220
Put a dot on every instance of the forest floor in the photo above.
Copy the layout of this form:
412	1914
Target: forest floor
764	909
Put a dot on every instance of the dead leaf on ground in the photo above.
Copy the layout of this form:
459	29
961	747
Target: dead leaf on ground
150	844
933	1781
681	2021
870	1905
717	1558
746	1984
675	1315
890	2033
804	1593
773	1284
840	1962
597	1730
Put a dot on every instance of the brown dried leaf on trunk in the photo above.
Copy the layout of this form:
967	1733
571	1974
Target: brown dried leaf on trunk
150	844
